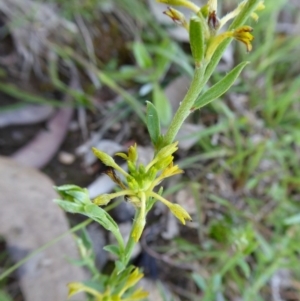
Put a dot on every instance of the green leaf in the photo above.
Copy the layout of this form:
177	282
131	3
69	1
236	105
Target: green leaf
141	55
162	105
120	267
69	206
295	219
101	216
80	196
200	281
215	59
105	220
15	92
153	123
4	296
244	267
149	204
85	244
67	187
163	62
73	193
112	249
219	88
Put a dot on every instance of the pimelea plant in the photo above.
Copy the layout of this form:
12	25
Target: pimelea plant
142	185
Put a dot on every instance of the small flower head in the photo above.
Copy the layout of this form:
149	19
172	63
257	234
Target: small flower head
77	287
180	213
176	209
108	160
133	278
177	17
138	229
102	199
138	184
171	170
213	21
210	38
243	34
167	151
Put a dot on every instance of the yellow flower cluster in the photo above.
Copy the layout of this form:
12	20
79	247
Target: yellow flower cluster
139	182
133	278
211	24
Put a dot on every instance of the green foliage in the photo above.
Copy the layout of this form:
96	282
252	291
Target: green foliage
153	123
162	105
252	229
4	296
219	88
138	184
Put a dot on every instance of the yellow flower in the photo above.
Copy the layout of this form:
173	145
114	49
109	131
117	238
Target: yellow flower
176	209
177	17
139	182
243	35
77	287
134	277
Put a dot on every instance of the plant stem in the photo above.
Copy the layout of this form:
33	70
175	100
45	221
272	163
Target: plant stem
185	107
128	251
139	215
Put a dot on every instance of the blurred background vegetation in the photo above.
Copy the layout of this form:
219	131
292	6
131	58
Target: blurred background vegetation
242	179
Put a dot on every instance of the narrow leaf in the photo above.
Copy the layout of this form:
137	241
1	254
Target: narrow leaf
80	196
215	59
99	214
69	206
162	105
112	249
295	219
105	220
141	55
153	123
219	88
120	266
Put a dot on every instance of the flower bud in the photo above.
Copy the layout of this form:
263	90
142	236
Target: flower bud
176	16
105	158
132	153
197	39
167	151
180	213
102	200
139	226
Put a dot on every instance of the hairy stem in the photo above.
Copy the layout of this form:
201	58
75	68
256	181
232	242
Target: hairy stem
185	107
